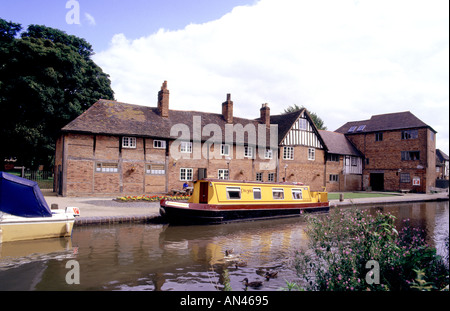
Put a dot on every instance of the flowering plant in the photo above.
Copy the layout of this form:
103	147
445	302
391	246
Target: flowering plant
345	240
153	198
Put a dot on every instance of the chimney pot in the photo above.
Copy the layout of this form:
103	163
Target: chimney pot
265	114
163	101
227	109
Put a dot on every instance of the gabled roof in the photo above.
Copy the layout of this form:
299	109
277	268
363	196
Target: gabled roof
337	143
441	156
383	122
285	122
108	117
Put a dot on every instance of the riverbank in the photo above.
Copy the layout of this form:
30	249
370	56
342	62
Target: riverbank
102	210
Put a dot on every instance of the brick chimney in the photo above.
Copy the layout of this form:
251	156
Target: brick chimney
163	101
265	114
227	109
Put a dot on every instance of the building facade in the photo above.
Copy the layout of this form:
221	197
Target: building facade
399	152
117	148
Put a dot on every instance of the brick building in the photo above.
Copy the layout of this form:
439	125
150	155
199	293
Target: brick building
115	148
399	151
118	148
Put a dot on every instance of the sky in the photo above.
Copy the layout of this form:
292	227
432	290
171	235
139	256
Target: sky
345	60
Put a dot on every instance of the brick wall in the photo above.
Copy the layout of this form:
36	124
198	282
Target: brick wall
384	157
84	153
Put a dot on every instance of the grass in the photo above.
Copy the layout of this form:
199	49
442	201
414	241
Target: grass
359	195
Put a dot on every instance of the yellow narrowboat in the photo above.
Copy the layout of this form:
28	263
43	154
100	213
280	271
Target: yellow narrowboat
219	201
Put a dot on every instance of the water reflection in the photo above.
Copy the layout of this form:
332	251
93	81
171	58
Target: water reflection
162	257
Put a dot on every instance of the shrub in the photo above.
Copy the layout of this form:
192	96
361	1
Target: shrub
345	240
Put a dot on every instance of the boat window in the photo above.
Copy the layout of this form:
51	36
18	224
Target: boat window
257	193
278	193
297	194
233	193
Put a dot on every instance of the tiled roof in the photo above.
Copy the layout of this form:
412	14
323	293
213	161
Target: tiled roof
337	143
383	122
110	117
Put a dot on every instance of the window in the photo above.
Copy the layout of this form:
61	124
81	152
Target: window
288	153
410	155
278	193
248	152
107	167
155	169
334	178
224	150
268	154
129	142
311	154
186	174
223	174
303	123
186	147
271	177
259	176
354	161
297	194
410	134
233	193
159	144
352	129
257	193
405	177
361	128
378	136
333	157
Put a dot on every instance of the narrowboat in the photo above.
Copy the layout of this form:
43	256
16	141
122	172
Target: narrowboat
220	201
25	215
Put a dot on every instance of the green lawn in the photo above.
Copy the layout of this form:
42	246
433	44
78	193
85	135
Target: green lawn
356	195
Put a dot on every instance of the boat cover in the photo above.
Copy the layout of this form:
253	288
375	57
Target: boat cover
22	197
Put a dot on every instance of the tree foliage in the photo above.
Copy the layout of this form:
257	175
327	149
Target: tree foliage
318	122
47	79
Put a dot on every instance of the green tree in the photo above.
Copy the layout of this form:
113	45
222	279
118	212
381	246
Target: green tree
316	119
47	79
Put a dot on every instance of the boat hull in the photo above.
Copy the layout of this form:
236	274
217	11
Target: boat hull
14	228
195	213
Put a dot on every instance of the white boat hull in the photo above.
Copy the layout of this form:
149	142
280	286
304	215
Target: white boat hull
15	228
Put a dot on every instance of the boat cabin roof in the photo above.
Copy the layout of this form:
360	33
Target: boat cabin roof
250	182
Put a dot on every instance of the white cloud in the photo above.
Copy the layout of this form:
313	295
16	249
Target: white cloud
90	19
345	60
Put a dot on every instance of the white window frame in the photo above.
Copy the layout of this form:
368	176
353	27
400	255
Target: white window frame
271	177
288	153
105	167
311	154
297	197
268	154
155	169
185	172
224	149
159	144
186	147
129	142
223	173
334	178
259	176
248	152
278	190
257	190
234	189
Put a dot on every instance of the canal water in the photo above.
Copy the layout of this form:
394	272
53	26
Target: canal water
137	257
